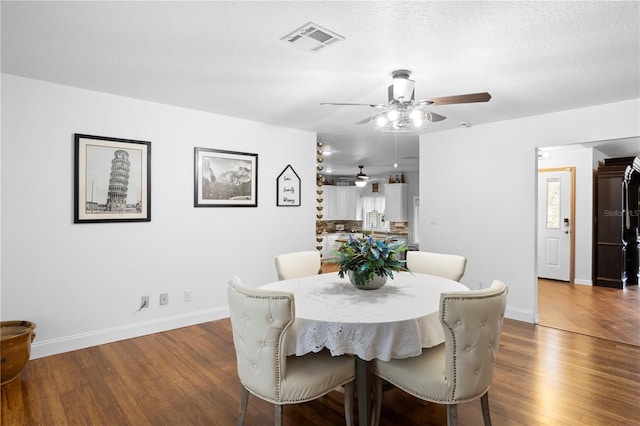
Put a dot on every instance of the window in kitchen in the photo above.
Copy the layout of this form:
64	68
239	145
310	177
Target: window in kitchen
373	213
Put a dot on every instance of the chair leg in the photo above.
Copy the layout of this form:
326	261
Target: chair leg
244	400
452	415
348	404
484	401
377	401
278	415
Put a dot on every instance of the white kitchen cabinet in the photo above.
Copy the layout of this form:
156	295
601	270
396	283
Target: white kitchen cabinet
330	245
395	202
329	205
347	202
322	244
340	203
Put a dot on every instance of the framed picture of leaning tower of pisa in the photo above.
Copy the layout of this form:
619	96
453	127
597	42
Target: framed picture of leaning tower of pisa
112	180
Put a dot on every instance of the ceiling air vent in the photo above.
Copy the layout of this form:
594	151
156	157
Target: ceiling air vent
312	37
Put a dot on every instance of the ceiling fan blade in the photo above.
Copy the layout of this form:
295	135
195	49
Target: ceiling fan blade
437	117
366	120
348	104
461	99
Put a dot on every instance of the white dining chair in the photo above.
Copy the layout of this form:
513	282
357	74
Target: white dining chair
259	322
298	264
449	266
461	369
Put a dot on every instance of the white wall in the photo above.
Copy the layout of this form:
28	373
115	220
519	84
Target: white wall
478	192
582	160
82	283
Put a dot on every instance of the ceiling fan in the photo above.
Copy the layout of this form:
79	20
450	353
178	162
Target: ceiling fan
403	113
361	177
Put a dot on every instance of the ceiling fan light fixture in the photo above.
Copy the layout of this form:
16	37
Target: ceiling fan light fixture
417	114
408	118
381	120
361	183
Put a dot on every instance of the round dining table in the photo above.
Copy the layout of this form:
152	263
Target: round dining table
396	321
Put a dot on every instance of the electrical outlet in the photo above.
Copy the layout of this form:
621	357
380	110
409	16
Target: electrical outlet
164	298
144	302
187	295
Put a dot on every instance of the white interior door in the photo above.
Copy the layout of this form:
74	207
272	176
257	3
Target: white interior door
554	224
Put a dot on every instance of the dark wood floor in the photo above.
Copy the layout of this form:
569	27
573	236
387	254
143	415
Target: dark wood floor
544	376
595	311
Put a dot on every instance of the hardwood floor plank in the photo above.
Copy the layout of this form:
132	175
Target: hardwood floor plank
603	312
544	376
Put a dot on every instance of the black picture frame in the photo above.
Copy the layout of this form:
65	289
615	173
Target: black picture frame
288	188
112	180
225	178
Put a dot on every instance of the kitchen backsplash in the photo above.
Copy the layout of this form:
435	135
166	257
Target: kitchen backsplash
333	226
399	228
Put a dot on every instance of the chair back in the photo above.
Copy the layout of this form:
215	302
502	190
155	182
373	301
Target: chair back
472	323
298	264
449	266
259	319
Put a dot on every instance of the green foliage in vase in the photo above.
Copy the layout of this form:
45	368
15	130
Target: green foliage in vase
368	257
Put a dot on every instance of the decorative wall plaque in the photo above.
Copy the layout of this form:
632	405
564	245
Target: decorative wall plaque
288	188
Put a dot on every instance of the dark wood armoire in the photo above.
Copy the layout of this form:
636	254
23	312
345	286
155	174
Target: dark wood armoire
616	251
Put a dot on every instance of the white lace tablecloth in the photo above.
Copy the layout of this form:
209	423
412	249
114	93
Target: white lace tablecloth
395	321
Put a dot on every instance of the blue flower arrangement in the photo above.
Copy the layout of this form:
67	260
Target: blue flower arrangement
368	257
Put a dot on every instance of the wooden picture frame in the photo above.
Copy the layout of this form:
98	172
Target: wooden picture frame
288	188
225	178
112	180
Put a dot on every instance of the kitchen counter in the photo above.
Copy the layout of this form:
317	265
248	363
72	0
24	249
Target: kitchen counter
389	234
343	237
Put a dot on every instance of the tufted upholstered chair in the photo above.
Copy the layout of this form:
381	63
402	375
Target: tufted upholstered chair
298	264
449	266
460	369
259	321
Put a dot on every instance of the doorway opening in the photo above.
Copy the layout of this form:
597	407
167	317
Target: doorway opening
578	306
556	223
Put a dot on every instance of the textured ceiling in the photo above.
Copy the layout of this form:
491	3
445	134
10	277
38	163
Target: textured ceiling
227	58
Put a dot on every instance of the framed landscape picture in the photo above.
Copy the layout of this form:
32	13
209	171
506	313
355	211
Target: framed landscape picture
225	178
112	180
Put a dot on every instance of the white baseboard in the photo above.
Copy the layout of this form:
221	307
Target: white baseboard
582	282
100	337
521	315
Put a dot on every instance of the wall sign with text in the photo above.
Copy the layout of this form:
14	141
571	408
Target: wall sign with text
288	192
